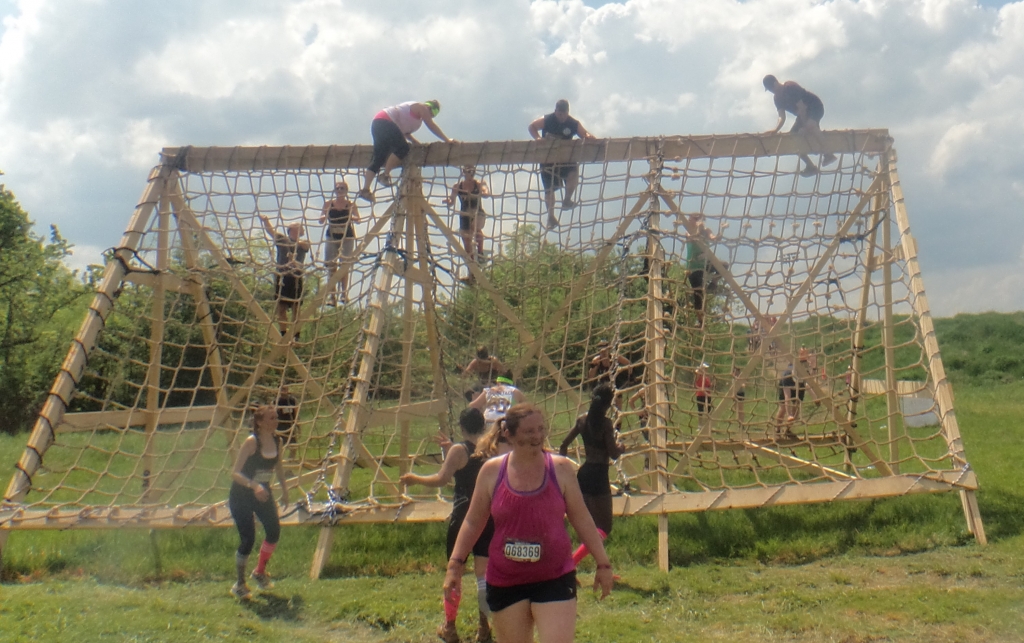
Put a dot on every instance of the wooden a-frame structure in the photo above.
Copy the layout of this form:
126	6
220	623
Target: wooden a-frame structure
406	258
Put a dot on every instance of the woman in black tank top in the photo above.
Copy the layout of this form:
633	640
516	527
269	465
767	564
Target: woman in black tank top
340	216
461	464
471	213
250	497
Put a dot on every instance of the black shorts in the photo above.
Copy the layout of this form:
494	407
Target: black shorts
741	395
800	392
553	175
815	112
467	222
703	404
562	588
593	479
483	543
387	140
288	288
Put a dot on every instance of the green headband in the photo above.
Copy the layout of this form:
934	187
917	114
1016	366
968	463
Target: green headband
435	109
504	380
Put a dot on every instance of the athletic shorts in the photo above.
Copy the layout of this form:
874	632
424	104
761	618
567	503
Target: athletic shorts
815	112
553	175
387	140
593	479
703	404
471	222
741	395
339	247
288	288
562	588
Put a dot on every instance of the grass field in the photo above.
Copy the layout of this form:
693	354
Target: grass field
902	569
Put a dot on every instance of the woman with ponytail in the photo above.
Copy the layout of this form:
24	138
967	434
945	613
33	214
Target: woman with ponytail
529	493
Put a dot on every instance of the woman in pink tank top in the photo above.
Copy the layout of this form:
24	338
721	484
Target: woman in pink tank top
531	580
392	130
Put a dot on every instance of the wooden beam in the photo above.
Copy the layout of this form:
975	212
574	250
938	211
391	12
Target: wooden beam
124	420
333	157
943	390
435	511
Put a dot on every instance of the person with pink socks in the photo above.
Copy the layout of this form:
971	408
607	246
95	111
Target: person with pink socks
601	447
250	498
463	462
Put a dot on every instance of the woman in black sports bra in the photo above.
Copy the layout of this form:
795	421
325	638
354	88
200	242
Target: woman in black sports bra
258	460
340	214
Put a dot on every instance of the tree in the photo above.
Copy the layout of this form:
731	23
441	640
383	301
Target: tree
37	295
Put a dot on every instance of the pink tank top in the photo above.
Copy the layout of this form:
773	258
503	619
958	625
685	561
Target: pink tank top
401	115
530	543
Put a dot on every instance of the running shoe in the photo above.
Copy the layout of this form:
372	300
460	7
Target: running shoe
241	591
568	203
448	633
262	580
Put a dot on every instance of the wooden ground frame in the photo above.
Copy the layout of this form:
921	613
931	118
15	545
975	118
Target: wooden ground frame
409	218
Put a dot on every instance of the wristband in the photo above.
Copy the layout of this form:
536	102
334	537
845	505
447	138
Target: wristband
608	566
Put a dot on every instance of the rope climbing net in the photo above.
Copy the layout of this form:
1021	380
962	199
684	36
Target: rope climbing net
703	277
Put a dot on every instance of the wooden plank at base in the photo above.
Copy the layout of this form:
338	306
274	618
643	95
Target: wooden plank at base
90	420
433	511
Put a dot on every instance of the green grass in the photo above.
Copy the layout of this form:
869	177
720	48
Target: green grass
900	569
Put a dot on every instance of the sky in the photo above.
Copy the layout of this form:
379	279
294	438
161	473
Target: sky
91	90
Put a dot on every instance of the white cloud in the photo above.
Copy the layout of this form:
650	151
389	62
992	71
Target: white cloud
90	92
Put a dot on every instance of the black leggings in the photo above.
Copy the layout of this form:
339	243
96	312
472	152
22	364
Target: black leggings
244	508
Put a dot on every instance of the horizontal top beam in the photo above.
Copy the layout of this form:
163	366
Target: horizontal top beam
332	157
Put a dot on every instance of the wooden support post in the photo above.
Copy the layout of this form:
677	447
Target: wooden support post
857	340
943	390
63	389
156	341
408	323
430	316
892	402
380	297
654	373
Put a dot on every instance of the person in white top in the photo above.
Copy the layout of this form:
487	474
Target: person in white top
392	130
497	399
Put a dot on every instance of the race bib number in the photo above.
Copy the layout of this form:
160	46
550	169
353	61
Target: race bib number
522	552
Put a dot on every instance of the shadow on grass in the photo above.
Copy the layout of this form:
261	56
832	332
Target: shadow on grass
658	591
1001	513
272	606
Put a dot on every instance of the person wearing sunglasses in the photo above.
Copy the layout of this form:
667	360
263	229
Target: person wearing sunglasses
392	131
